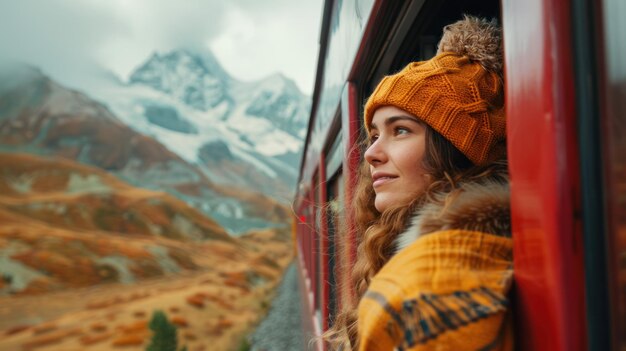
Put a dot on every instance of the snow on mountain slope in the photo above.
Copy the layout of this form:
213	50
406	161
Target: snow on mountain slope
189	103
195	79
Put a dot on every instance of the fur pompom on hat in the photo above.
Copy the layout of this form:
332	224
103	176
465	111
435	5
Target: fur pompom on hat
459	92
478	39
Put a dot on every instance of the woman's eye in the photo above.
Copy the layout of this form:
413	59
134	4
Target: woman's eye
373	138
401	130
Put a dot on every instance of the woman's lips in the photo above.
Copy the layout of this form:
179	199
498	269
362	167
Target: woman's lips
382	180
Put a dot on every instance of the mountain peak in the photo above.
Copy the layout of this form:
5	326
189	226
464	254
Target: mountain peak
192	75
279	82
13	74
202	56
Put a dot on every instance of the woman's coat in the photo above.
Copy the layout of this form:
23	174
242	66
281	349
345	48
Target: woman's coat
446	287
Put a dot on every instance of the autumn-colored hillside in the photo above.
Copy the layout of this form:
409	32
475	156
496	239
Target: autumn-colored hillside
215	307
85	259
70	195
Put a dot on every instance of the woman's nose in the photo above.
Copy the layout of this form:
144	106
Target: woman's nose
375	153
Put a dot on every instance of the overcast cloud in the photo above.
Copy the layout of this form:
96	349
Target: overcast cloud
252	39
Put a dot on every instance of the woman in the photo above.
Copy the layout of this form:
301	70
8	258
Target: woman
434	263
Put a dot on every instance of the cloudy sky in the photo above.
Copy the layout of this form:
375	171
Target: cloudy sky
251	38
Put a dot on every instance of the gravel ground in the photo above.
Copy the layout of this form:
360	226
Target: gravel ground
281	329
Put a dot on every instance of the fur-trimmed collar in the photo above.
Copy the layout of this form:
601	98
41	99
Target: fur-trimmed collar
482	207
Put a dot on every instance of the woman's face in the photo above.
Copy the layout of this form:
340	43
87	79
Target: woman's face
398	143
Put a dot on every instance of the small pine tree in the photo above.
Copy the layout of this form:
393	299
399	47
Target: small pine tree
164	333
245	345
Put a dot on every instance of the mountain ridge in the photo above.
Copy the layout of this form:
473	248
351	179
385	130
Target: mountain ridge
262	123
41	117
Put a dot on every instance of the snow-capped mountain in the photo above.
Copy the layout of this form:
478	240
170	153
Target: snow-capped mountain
41	117
197	79
243	134
242	137
278	100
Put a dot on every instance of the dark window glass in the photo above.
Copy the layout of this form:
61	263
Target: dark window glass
335	208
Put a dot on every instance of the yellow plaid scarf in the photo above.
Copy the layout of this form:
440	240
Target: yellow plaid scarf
446	291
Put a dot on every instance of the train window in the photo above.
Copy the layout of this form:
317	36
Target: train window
613	133
308	239
335	155
317	281
336	204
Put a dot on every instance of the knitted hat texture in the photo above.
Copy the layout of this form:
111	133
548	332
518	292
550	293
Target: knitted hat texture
459	92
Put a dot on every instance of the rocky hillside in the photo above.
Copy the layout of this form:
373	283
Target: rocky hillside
67	262
40	117
63	225
86	259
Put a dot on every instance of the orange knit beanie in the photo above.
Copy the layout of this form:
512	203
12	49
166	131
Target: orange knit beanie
459	92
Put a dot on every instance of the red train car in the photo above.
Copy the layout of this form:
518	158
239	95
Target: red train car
565	69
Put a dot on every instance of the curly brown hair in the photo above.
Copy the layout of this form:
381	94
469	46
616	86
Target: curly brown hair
376	232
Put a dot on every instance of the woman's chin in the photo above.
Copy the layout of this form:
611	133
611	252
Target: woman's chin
382	202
